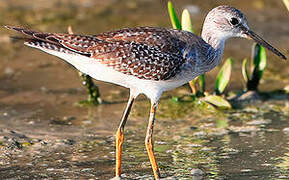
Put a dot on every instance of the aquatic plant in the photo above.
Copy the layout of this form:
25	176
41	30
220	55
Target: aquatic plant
258	64
92	89
223	76
253	76
173	16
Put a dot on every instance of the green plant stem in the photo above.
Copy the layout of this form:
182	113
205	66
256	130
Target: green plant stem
202	83
252	84
92	89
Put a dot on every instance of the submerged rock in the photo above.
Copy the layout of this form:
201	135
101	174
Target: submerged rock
197	174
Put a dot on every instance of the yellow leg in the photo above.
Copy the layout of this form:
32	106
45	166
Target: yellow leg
118	145
149	143
120	137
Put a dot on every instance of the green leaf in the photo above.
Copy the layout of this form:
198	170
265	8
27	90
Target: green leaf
259	62
260	57
186	21
173	16
245	72
223	76
286	2
202	83
217	101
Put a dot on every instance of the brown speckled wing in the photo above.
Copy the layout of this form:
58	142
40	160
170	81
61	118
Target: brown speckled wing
147	53
161	38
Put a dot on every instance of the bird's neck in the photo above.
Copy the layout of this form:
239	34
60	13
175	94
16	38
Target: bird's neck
216	40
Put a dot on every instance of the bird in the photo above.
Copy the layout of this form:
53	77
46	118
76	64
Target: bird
147	60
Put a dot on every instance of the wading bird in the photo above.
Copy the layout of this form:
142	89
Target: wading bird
147	60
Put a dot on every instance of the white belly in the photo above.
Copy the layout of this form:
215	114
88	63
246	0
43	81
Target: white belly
152	89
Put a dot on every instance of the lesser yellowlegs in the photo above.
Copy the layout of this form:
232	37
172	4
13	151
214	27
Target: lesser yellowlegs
147	60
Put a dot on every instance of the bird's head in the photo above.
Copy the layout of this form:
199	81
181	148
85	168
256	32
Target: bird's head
225	22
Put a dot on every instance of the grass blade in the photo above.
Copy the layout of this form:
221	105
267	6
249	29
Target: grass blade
223	76
245	72
173	16
186	21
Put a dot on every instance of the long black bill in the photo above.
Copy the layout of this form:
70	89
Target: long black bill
262	42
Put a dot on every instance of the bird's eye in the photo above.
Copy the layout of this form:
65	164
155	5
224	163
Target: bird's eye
234	21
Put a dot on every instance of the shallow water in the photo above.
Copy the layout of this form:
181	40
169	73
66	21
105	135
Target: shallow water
43	134
251	143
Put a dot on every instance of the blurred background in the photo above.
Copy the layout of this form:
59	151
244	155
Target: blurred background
38	92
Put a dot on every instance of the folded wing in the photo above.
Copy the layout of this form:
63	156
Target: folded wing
145	52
